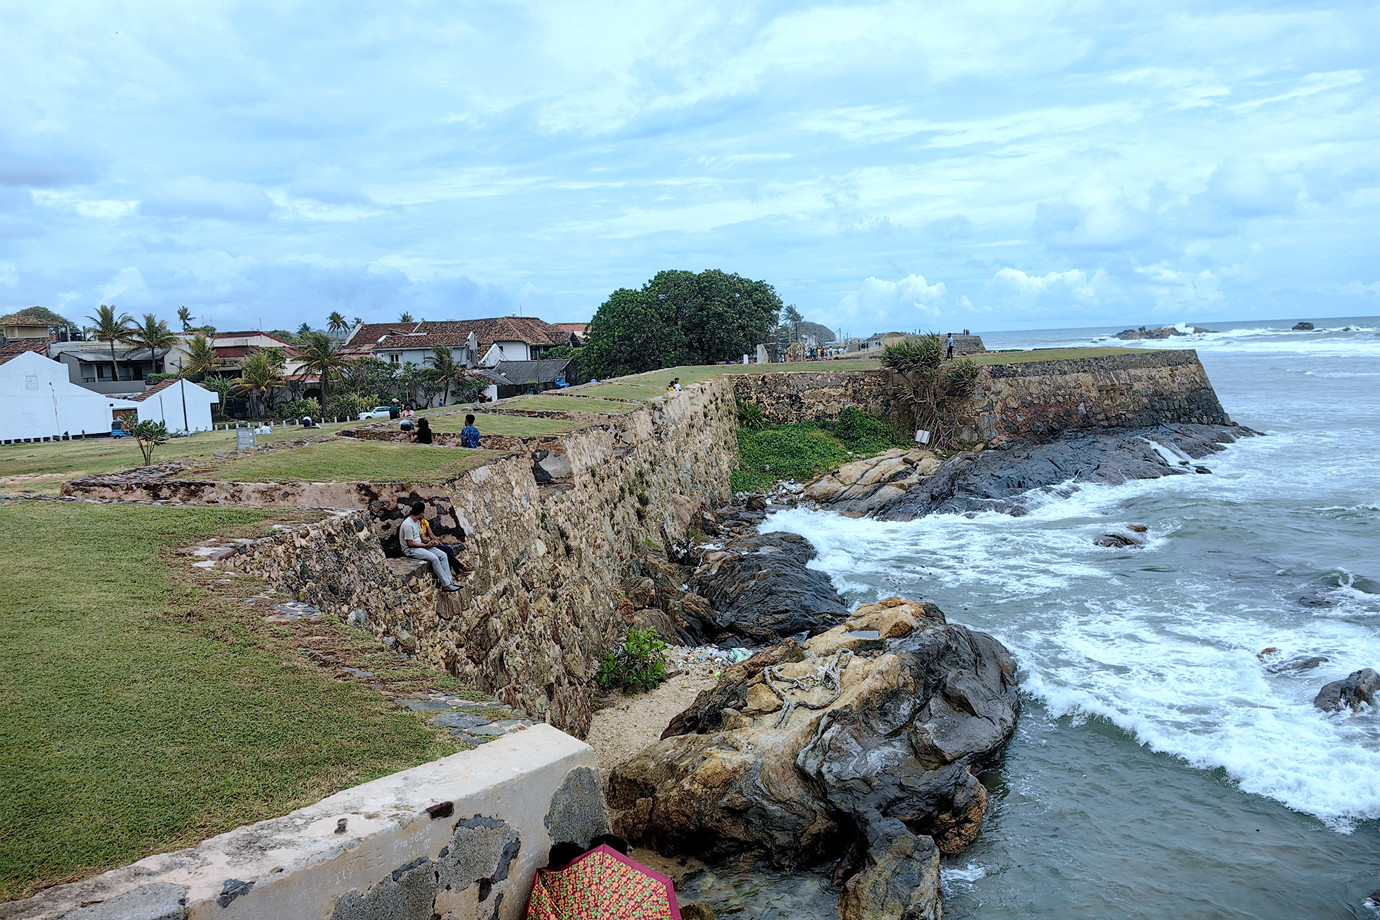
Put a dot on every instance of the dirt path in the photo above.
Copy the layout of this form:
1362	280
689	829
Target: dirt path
630	722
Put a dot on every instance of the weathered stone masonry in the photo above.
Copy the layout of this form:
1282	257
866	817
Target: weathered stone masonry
1034	399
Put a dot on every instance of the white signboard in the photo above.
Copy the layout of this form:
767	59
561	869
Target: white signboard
922	436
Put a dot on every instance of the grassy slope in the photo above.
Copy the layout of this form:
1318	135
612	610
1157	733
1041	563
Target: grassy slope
515	425
347	460
569	403
140	713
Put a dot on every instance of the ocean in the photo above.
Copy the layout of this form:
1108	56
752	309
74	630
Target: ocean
1160	769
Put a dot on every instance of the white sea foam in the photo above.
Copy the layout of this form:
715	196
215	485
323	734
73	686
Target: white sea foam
953	879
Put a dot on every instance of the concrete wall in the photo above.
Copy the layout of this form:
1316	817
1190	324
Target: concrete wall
1034	399
457	839
40	402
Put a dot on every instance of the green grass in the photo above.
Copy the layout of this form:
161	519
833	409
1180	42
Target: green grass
520	426
348	460
140	712
778	452
44	467
572	403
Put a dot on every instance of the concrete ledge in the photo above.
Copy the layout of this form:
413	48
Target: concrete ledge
459	838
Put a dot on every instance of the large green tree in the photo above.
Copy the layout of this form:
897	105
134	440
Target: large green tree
680	317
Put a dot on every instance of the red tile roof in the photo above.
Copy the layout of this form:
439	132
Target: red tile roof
20	346
158	387
426	334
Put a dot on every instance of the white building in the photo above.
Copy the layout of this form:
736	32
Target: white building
179	404
41	402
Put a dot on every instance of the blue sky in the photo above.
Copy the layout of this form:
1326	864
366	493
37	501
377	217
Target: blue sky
884	165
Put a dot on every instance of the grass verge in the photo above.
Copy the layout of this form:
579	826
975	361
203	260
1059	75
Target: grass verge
144	708
519	426
349	460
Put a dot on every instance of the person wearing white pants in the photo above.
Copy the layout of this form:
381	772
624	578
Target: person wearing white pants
410	538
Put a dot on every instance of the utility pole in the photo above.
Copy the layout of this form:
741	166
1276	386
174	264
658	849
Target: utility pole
182	385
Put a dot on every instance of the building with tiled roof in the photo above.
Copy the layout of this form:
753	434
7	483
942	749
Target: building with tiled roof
474	342
179	404
23	325
18	347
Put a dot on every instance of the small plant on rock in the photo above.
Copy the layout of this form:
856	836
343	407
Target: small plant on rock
639	664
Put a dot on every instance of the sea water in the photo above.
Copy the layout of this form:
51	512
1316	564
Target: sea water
1160	769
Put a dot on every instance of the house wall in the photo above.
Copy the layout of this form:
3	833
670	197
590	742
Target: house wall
457	839
41	402
167	406
506	351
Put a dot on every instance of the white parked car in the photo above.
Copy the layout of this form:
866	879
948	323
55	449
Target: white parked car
376	412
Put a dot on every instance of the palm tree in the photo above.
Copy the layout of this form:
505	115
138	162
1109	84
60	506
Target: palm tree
319	355
201	356
359	321
303	331
259	377
337	325
113	327
153	335
184	316
444	370
405	317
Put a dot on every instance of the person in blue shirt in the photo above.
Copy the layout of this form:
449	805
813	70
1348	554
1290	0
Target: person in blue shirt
469	435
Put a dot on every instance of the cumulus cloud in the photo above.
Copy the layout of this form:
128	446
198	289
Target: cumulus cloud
1241	188
1073	283
904	301
1093	214
196	197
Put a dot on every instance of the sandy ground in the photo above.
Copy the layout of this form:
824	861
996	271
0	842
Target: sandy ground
630	722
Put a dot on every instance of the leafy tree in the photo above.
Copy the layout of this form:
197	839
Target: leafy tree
445	370
336	324
149	434
367	377
184	316
302	332
201	357
359	321
153	335
221	386
112	327
679	317
319	356
260	377
347	405
45	316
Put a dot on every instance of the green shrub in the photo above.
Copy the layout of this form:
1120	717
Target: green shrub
750	415
300	407
800	451
347	405
639	664
864	433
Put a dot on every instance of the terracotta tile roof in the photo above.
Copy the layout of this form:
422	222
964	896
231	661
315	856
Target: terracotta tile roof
158	387
16	348
24	319
580	329
453	332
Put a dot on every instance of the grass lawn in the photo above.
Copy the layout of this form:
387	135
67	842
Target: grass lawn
44	467
520	426
553	403
349	460
140	712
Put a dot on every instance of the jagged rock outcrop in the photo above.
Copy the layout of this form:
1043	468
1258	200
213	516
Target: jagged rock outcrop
863	744
1303	327
761	590
861	487
1357	689
1010	477
1163	332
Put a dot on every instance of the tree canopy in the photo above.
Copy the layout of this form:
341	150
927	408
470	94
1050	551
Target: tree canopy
680	317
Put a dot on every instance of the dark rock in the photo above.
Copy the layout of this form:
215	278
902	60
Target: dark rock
1008	477
1116	540
760	589
1303	327
756	503
1357	689
1293	665
697	910
1137	528
872	758
549	467
1163	332
576	812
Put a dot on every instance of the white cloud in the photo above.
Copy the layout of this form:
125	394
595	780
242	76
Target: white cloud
126	281
1073	283
906	301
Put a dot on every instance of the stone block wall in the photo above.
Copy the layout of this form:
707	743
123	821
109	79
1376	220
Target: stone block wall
1034	399
457	839
540	610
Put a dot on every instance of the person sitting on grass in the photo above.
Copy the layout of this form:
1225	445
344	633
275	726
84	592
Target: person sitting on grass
414	547
423	433
431	542
469	435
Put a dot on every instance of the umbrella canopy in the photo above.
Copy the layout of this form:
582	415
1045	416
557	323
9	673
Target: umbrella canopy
603	884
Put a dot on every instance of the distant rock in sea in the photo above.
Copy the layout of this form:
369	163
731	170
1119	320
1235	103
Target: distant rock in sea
1164	332
1303	327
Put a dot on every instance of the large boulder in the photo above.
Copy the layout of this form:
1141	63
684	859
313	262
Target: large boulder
1010	477
858	488
864	744
1355	690
760	589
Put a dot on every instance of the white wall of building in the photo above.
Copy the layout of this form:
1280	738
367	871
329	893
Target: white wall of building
167	406
40	401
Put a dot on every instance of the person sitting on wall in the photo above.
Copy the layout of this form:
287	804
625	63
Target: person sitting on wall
423	433
433	542
414	545
469	435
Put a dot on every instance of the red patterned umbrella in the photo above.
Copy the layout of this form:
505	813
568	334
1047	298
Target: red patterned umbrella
603	884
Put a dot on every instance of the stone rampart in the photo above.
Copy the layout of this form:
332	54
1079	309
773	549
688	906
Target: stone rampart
457	839
540	610
1031	399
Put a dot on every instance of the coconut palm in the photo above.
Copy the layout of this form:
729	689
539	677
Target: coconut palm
444	370
260	376
201	356
405	317
318	355
112	327
337	325
153	335
359	321
184	316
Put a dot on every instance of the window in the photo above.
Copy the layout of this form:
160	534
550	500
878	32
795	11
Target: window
31	381
392	357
